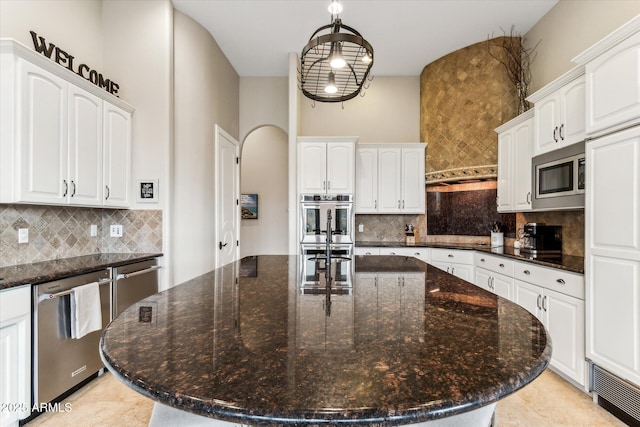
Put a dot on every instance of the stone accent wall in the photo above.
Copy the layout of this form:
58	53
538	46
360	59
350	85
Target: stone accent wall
572	223
60	232
464	96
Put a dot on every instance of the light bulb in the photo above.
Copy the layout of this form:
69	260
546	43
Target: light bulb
330	87
366	58
337	61
335	7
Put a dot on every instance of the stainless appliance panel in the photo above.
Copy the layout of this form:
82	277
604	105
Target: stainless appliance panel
134	282
558	179
59	361
314	271
314	210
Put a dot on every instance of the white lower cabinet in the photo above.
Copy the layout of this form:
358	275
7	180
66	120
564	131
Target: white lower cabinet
456	262
319	331
556	298
15	354
420	253
495	274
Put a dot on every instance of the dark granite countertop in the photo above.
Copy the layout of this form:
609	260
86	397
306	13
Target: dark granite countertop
406	343
46	271
574	264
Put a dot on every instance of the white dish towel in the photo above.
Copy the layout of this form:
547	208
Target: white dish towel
86	311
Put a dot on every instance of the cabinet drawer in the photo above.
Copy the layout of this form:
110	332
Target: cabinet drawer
15	302
551	278
452	255
494	263
420	253
366	251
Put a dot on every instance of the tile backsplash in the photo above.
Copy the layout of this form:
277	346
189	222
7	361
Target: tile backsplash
61	232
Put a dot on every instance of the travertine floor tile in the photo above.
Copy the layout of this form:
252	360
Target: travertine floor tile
547	402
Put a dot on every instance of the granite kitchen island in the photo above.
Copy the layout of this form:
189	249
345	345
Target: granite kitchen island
263	341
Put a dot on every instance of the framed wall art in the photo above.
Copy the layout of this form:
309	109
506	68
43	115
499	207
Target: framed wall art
249	206
147	191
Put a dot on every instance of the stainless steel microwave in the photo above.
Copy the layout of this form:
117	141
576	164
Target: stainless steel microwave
559	179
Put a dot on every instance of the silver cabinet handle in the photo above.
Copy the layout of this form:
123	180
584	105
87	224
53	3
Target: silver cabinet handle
392	253
538	302
106	187
544	303
527	272
73	192
138	273
529	198
448	269
450	255
375	204
561	281
324	185
555	134
417	253
489	282
501	265
398	204
482	260
403	204
328	185
560	132
453	270
367	253
66	188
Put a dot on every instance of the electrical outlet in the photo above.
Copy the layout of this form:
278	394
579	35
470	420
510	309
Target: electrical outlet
23	235
360	228
116	230
93	230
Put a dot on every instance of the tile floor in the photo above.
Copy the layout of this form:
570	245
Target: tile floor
548	401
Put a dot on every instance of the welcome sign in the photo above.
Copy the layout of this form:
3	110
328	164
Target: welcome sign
61	57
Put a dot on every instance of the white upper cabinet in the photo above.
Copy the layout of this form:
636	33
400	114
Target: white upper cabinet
515	148
41	152
326	165
117	156
559	107
612	75
85	148
390	178
56	130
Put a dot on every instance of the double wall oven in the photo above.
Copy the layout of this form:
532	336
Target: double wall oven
327	222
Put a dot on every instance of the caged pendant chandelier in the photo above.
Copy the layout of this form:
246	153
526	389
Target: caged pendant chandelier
336	61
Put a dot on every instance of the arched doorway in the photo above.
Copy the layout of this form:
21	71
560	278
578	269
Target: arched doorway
264	171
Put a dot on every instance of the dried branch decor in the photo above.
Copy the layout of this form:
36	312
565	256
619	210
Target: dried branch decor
516	60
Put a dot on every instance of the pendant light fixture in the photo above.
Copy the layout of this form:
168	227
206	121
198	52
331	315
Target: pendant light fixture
336	61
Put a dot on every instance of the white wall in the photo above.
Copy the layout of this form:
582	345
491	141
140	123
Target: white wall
206	92
73	25
569	28
263	101
388	112
264	171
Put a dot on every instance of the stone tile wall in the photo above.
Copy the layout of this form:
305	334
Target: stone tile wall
60	232
572	223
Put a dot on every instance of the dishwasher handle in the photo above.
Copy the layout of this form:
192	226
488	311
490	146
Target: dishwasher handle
44	297
138	273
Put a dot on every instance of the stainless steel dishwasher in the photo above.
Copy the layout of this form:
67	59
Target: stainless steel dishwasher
59	361
134	282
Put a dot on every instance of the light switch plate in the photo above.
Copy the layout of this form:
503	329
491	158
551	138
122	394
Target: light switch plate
93	230
360	228
116	230
23	235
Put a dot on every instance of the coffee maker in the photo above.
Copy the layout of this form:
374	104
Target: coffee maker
541	240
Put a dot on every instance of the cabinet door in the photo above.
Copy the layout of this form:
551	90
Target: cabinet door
43	136
502	286
613	193
465	272
389	164
483	279
521	169
412	312
412	182
117	156
505	171
389	325
529	297
365	294
613	301
366	180
564	319
85	148
311	321
339	324
9	391
572	115
340	168
313	167
612	86
546	127
444	266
